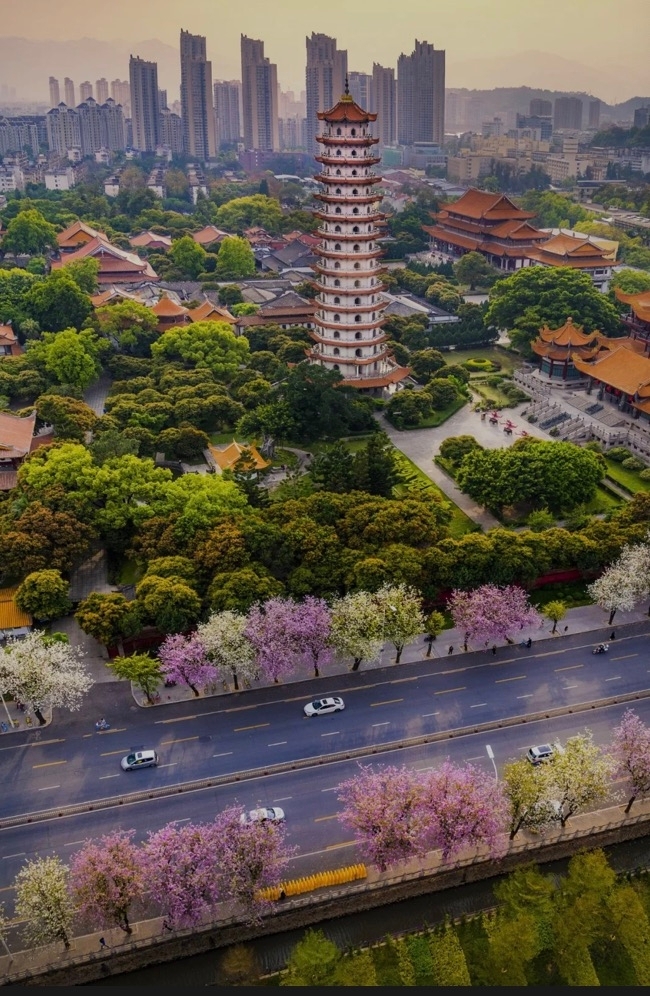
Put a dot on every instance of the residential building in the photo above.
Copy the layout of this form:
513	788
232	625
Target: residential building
19	135
259	97
90	127
112	186
55	95
121	94
162	100
567	114
642	117
60	179
85	91
360	85
347	333
11	178
594	114
227	98
171	131
145	114
536	124
197	110
327	67
540	108
101	91
68	92
383	102
63	131
421	95
113	126
197	182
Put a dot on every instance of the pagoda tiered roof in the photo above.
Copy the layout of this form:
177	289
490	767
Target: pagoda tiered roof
567	250
625	371
639	303
347	110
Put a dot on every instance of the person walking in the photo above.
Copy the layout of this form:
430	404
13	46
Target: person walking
494	650
529	642
613	636
450	651
102	943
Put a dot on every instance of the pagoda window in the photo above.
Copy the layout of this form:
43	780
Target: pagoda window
357	283
370	228
337	352
354	133
357	266
336	367
358	352
357	335
337	265
355	210
357	300
357	318
337	228
354	153
337	300
337	334
374	315
338	190
356	247
356	229
338	173
337	246
337	283
355	192
337	318
354	172
338	152
338	131
337	210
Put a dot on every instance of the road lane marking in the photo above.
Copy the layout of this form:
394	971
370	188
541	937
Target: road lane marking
48	764
226	753
627	656
334	847
515	677
35	743
321	819
285	798
120	729
387	702
332	734
74	843
110	753
529	695
616	677
46	788
387	723
7	857
278	743
182	741
400	681
570	686
184	719
103	777
571	667
333	789
425	715
258	726
170	764
457	670
479	705
479	758
446	691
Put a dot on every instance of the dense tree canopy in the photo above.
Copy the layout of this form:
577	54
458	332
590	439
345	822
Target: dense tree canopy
29	233
204	345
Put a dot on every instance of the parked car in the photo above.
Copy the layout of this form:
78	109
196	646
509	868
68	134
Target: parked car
139	759
266	814
320	706
544	752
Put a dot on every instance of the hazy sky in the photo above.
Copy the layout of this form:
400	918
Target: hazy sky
592	32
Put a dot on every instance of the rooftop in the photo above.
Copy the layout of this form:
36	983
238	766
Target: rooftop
11	617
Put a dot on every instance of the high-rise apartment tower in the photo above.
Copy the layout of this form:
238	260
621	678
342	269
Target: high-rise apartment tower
145	113
421	95
55	93
384	104
227	96
259	81
327	67
197	111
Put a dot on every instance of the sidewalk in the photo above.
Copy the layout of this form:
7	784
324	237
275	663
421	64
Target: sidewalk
585	619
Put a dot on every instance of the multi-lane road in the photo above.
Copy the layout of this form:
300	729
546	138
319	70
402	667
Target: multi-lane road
66	764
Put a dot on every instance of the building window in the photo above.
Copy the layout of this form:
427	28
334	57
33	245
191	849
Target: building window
357	318
357	283
337	318
357	300
357	266
370	228
356	229
354	133
336	351
355	210
337	334
358	352
354	172
337	283
337	210
336	367
337	246
338	173
338	189
355	247
357	335
338	152
337	265
354	153
337	300
355	192
338	131
337	228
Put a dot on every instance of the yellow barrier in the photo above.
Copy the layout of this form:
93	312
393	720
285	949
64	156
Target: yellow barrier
297	886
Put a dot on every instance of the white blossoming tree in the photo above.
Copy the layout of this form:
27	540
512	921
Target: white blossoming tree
44	902
228	647
44	672
615	589
400	608
357	627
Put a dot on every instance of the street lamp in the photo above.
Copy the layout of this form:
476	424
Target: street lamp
490	754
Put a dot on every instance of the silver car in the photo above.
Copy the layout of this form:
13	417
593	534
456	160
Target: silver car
321	706
139	759
266	814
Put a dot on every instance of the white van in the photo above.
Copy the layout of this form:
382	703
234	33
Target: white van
139	759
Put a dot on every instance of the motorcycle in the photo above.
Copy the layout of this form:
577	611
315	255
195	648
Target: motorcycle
102	725
602	648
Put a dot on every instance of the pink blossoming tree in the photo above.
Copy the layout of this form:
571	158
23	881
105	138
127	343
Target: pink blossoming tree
631	751
491	613
182	868
107	878
311	625
461	807
271	631
185	659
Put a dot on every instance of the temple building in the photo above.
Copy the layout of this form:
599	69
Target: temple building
578	252
348	320
116	266
638	320
487	223
557	349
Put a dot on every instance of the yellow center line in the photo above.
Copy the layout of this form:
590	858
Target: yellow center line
623	658
320	819
347	843
571	667
108	753
8	888
258	726
48	764
446	691
515	677
387	702
179	719
120	729
181	741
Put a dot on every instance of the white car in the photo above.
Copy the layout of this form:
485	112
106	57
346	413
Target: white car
139	759
270	814
544	752
320	706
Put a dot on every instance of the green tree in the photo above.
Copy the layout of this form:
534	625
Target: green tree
40	538
58	302
111	444
356	970
133	326
169	603
448	958
70	356
186	443
29	233
425	362
71	418
244	308
84	272
333	468
474	269
238	590
630	281
374	469
244	212
108	617
434	624
407	409
535	296
45	595
188	257
204	345
555	611
313	961
141	669
528	792
580	775
235	260
442	392
540	520
454	448
230	294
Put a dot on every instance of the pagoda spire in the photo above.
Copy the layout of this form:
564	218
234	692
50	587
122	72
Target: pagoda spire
347	86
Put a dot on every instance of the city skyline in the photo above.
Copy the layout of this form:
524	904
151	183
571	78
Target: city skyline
499	32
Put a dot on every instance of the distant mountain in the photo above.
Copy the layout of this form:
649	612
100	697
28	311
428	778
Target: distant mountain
502	100
27	65
541	69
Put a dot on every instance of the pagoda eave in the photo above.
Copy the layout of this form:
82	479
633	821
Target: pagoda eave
352	161
349	140
330	236
355	342
343	291
329	178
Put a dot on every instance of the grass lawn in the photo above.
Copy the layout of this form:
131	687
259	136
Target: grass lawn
353	443
602	502
626	478
416	483
572	593
437	418
493	395
509	361
222	438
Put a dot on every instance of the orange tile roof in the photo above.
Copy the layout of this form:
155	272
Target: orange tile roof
346	110
227	458
392	377
11	617
146	239
76	234
572	247
208	234
16	435
114	263
639	303
8	339
622	369
446	236
207	311
481	204
166	308
567	335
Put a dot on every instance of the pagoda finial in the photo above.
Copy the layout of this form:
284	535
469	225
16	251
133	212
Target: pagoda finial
347	86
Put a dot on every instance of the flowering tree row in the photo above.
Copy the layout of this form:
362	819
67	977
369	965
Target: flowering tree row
491	612
280	634
399	814
186	869
626	581
44	672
